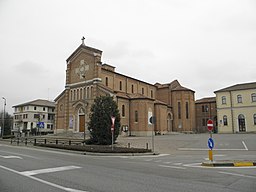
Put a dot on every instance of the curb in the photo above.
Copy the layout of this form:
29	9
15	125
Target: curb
118	154
229	163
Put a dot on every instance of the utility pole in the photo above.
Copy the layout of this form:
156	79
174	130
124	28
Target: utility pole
3	116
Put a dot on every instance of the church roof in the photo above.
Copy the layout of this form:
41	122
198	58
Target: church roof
173	86
83	46
206	100
132	96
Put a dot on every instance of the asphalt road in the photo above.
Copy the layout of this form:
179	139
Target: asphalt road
36	169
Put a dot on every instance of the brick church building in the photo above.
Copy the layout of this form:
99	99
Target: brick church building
172	105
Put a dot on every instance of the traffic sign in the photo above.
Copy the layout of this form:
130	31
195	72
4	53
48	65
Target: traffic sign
210	125
113	123
41	125
210	143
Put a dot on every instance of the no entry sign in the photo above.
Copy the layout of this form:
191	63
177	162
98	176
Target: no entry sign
113	123
210	125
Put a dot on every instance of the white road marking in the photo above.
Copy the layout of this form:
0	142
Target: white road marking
167	162
173	167
43	181
19	154
11	157
245	146
236	174
177	163
194	165
49	170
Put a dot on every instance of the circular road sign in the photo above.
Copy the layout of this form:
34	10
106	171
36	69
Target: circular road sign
210	125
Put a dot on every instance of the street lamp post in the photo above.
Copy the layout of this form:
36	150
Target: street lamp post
3	115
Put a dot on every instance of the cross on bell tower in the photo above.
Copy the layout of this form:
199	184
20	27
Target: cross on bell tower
83	40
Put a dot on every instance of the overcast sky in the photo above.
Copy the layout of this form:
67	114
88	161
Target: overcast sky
206	45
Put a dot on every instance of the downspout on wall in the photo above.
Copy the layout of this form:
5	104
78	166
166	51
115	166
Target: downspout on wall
232	112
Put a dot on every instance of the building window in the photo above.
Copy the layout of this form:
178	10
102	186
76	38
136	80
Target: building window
204	122
34	108
187	110
225	120
71	95
136	116
254	119
223	100
152	94
74	97
239	98
142	90
179	110
120	85
61	107
123	111
36	116
43	108
132	89
106	81
91	91
77	96
205	108
254	97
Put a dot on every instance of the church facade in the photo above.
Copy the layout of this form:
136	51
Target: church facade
171	105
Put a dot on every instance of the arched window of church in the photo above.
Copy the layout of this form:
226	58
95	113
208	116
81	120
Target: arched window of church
179	110
84	93
87	92
77	97
132	89
74	95
152	94
120	85
123	111
187	110
136	116
107	81
142	90
91	92
71	95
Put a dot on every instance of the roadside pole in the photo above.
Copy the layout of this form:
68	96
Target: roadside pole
151	122
210	140
112	131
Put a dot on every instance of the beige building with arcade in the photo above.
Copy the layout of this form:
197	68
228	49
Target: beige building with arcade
172	105
236	108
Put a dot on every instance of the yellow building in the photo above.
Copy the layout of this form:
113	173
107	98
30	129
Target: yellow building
236	108
172	105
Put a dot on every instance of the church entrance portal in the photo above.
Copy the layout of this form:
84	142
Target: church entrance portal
81	123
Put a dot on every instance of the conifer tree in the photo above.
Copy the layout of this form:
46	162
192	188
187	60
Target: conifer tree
102	110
